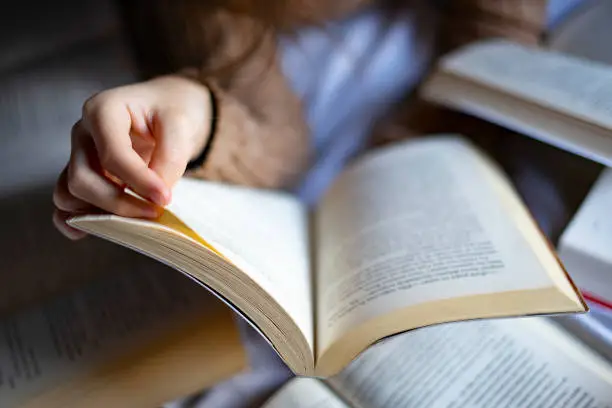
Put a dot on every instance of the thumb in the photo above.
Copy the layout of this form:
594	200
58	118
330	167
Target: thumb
173	133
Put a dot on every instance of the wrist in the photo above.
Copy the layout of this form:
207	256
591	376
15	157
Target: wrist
203	145
200	101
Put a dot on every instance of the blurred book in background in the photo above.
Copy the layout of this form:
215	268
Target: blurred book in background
134	339
527	362
558	99
586	245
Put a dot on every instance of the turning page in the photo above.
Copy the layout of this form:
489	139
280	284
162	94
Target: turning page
430	229
249	247
263	234
519	363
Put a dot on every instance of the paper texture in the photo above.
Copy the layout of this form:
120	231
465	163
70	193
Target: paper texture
264	235
577	88
48	346
414	224
505	363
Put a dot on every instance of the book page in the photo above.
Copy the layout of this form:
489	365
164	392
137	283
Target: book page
518	363
585	246
75	335
575	87
265	234
590	230
302	392
421	222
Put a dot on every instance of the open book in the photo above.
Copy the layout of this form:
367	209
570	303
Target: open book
586	245
421	233
527	362
133	339
558	99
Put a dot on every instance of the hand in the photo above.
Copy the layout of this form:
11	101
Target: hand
141	136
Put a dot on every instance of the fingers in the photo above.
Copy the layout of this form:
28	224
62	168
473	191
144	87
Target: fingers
173	145
85	183
66	205
141	136
63	200
109	123
59	220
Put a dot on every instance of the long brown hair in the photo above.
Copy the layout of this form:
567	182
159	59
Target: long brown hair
170	34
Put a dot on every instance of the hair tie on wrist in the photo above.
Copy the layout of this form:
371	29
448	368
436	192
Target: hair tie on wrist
201	158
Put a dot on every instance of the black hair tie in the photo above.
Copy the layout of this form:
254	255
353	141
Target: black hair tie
201	159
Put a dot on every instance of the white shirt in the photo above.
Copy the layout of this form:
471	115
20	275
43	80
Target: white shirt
348	74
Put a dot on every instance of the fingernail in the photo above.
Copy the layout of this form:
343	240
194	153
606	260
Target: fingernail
152	212
159	198
75	236
167	196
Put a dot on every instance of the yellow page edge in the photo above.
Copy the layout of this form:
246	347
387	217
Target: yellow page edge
170	220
